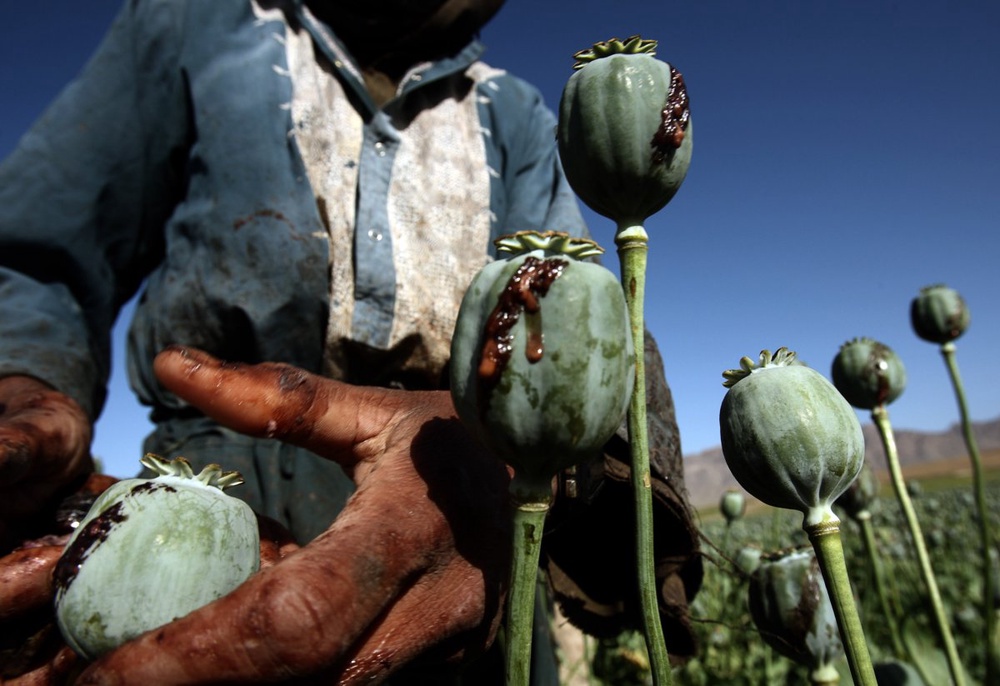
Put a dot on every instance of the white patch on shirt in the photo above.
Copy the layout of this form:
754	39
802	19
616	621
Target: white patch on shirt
329	135
440	220
438	206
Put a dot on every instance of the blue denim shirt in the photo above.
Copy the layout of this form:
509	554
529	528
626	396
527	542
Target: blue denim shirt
172	161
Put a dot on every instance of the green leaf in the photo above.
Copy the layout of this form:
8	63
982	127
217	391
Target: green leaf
928	658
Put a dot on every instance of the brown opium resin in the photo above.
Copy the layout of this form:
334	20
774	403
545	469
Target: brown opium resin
526	286
674	119
93	534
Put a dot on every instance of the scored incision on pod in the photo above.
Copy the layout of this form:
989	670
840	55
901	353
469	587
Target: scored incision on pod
530	282
674	119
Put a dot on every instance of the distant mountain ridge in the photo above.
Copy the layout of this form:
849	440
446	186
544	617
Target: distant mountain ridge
707	474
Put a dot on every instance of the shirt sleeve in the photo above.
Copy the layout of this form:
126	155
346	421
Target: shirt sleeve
82	203
534	194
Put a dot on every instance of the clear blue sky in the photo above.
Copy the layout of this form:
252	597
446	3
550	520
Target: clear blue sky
846	154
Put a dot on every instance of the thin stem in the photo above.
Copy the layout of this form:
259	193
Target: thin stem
531	503
881	418
985	533
633	247
825	538
726	534
871	551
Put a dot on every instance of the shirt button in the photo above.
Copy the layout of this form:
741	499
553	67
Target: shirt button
380	149
375	235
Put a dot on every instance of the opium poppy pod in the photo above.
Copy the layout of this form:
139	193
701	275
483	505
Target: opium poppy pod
625	132
542	361
868	373
732	505
939	314
790	605
788	436
150	551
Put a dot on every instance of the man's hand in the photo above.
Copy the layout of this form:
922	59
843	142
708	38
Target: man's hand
44	450
31	649
412	570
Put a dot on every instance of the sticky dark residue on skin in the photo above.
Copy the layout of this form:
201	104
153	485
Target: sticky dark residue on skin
291	380
674	120
93	534
523	291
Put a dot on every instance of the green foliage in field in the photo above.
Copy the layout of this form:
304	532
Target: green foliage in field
732	652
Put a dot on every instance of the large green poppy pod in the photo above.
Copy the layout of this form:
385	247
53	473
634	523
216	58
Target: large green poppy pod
939	314
542	362
150	551
868	373
788	436
789	603
625	133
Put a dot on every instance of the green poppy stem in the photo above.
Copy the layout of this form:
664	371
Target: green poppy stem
880	416
530	499
633	248
874	565
726	534
825	538
985	533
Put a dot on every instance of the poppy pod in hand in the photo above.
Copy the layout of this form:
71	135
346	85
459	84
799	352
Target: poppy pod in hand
150	551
